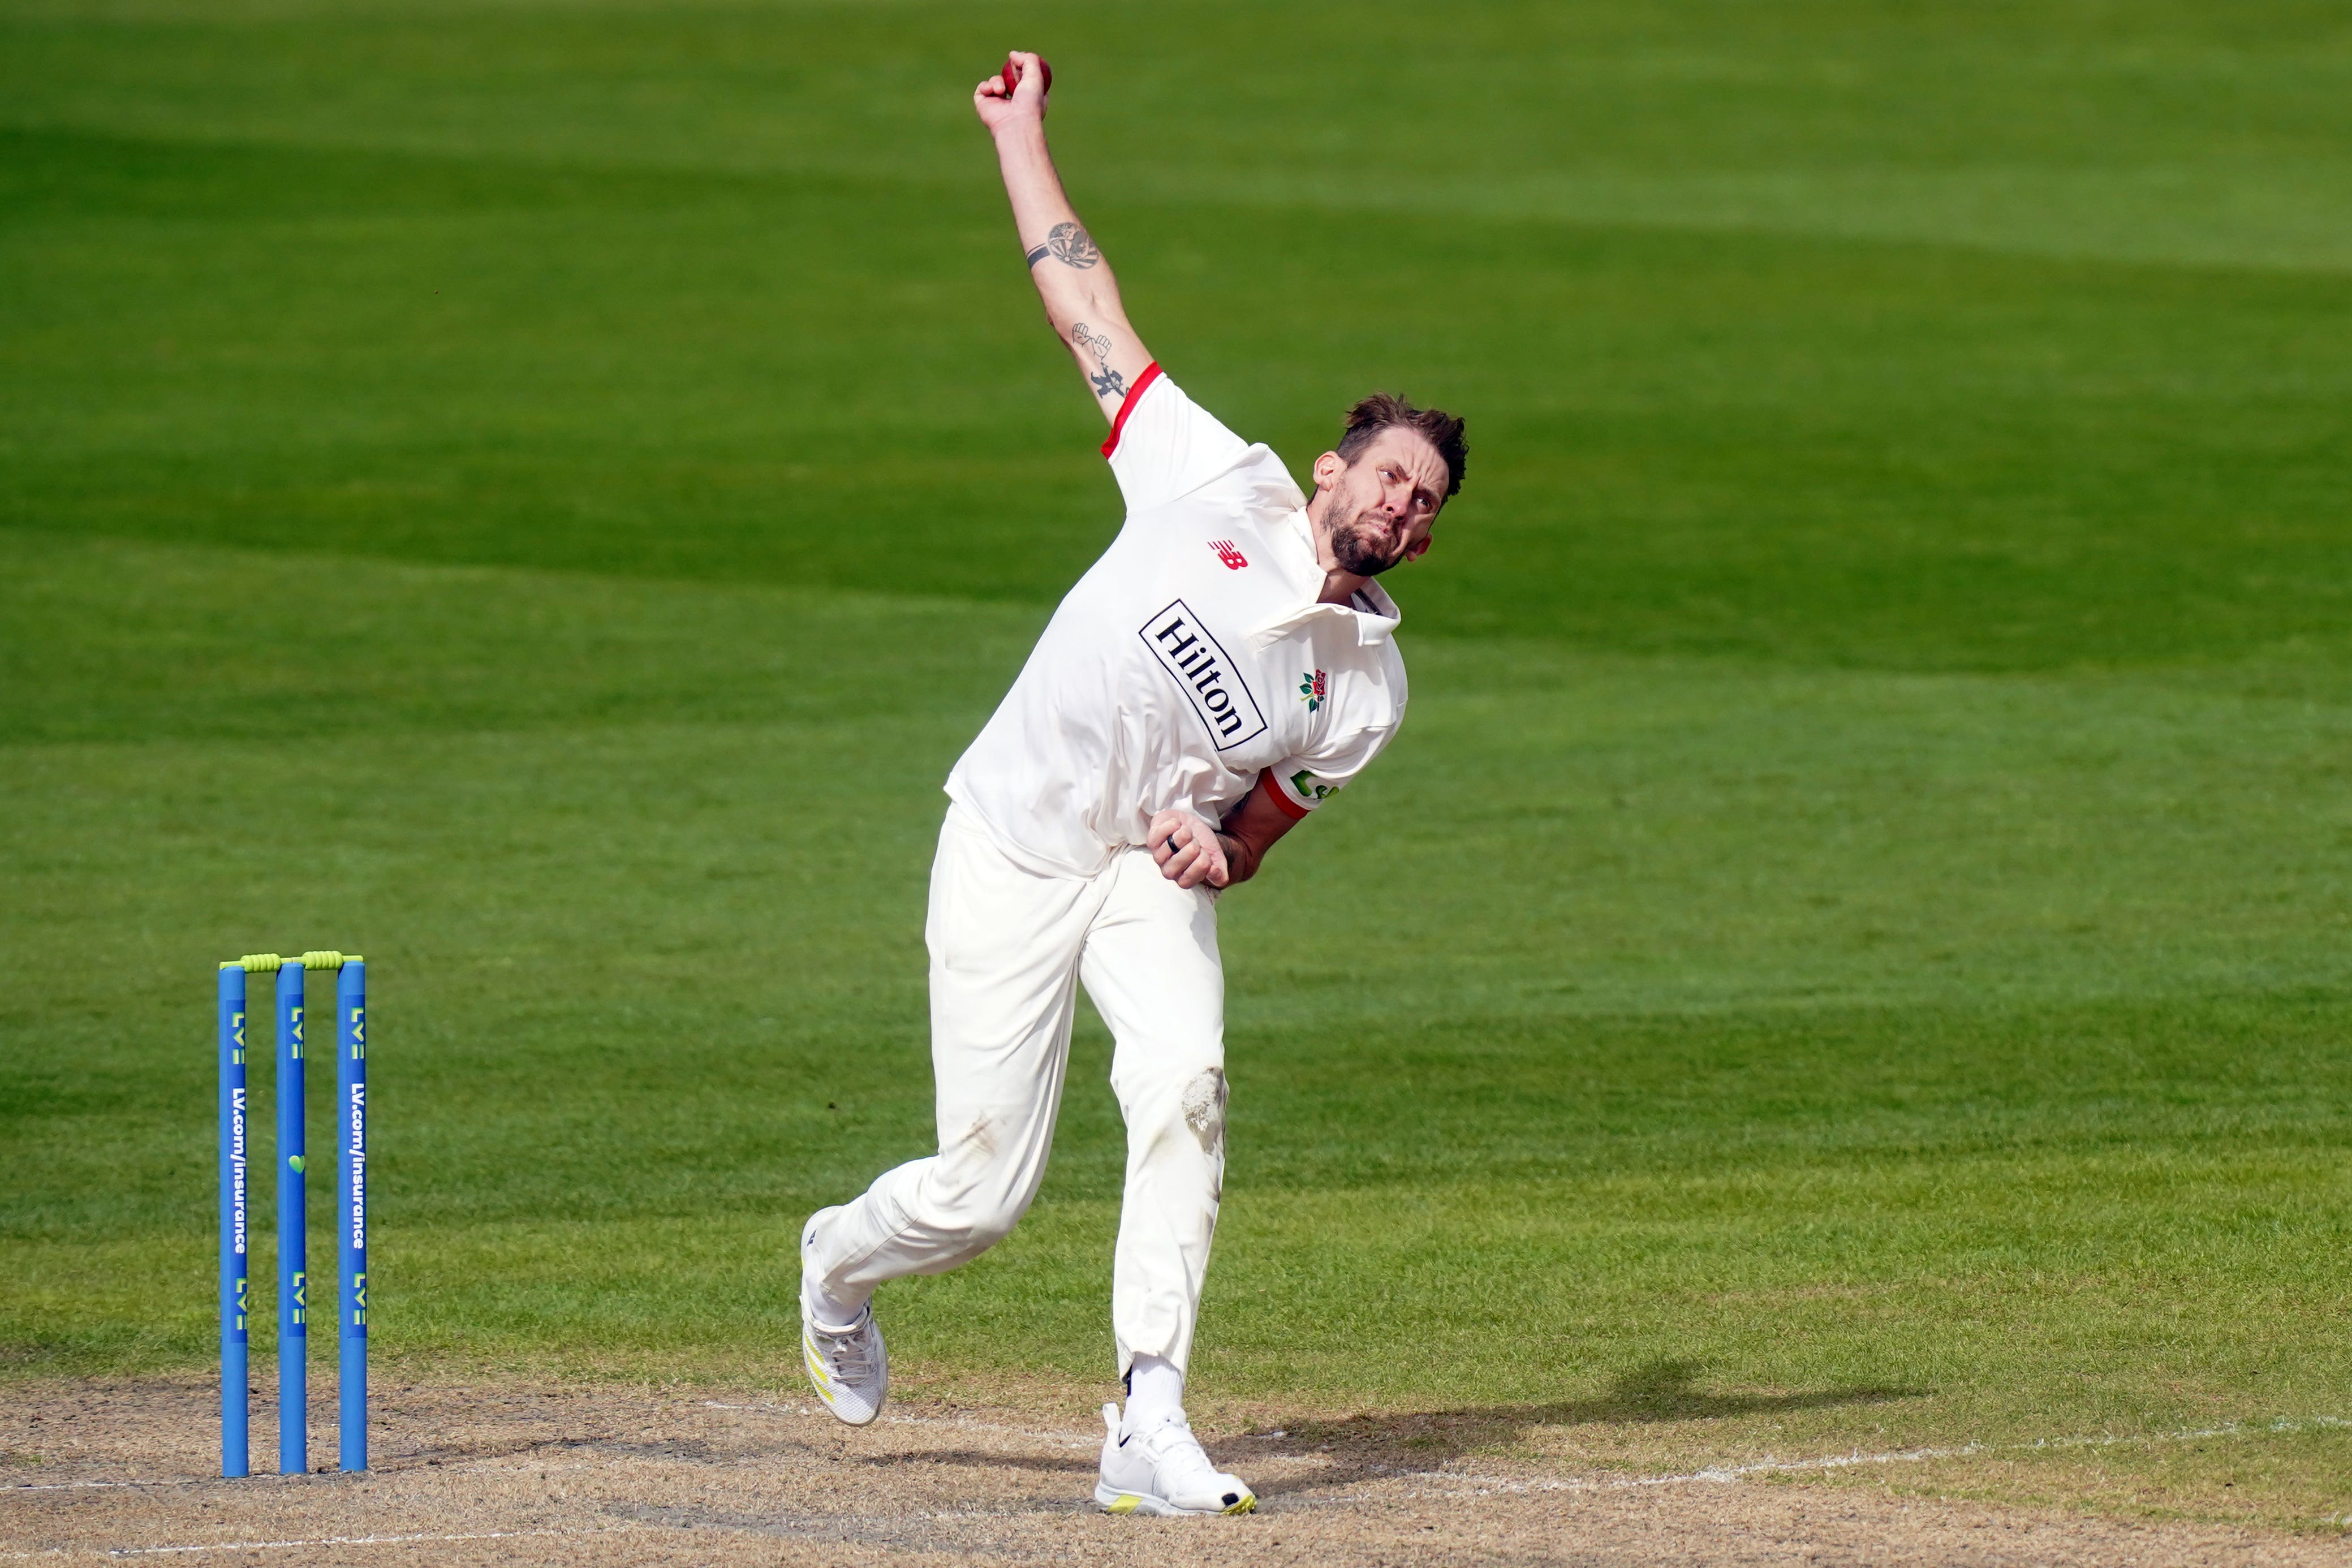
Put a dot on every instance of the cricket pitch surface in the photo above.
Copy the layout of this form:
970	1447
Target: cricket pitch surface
514	1472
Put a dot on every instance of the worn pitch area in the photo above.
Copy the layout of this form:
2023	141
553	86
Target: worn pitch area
535	1473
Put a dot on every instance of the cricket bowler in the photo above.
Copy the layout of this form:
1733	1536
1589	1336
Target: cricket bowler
1224	668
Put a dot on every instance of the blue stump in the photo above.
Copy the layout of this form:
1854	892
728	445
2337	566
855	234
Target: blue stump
233	1272
350	1225
293	1342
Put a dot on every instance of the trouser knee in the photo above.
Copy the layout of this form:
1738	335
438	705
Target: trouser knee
976	1192
1179	1116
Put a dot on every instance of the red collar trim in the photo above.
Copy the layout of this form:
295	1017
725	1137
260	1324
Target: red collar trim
1150	374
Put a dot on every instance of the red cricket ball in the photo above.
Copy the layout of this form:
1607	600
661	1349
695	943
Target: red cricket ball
1012	75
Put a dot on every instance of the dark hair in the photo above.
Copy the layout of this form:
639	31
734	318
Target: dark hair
1384	411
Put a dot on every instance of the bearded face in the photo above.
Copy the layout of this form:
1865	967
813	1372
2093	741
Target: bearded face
1367	542
1373	512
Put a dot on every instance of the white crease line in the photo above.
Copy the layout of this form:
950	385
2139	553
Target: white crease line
73	1486
1718	1473
351	1541
1728	1473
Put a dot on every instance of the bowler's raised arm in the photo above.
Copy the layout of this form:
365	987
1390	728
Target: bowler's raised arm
1073	279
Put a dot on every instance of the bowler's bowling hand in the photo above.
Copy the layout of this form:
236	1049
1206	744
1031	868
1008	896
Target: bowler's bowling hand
1188	850
1017	92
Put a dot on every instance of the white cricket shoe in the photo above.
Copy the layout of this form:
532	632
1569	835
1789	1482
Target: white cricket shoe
850	1367
1162	1471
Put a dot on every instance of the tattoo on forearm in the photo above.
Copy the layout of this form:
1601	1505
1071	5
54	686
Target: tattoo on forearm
1039	253
1072	246
1108	382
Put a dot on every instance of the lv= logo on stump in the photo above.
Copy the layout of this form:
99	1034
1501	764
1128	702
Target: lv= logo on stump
292	1162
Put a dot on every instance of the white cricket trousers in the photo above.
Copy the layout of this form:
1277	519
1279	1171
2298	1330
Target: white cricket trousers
1008	948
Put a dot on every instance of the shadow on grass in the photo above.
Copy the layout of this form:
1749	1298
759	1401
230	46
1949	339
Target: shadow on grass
1362	1446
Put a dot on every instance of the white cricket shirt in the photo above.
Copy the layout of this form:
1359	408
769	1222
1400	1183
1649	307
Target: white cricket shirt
1189	661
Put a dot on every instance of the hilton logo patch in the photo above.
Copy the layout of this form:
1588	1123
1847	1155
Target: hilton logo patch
1210	682
1234	559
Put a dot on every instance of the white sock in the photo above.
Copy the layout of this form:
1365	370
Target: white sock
1155	1393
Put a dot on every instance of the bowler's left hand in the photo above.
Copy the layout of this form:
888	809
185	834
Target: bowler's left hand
1188	850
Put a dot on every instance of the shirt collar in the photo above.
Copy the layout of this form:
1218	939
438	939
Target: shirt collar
1370	613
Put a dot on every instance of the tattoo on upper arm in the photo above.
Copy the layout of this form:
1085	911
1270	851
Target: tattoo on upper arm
1097	345
1108	383
1072	245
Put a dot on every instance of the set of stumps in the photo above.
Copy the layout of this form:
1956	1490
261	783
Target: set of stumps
293	1244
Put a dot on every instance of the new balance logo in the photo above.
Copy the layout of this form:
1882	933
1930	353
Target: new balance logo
1234	559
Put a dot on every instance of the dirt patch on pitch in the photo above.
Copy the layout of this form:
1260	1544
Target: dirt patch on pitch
516	1473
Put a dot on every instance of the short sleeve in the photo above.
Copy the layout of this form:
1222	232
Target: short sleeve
1299	784
1165	445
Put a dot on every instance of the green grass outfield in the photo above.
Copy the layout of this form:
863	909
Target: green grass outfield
1853	950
